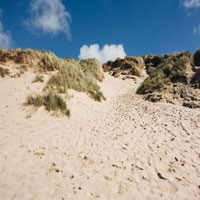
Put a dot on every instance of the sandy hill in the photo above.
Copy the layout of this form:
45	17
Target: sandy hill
116	143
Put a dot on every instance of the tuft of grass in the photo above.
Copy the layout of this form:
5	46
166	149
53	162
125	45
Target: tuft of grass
51	101
4	72
36	100
38	78
168	70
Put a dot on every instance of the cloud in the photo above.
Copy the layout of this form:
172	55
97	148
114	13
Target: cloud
108	52
50	16
191	3
5	37
196	30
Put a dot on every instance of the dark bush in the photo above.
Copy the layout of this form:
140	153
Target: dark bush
197	58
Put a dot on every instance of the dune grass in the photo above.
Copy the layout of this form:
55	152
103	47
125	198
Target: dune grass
79	76
38	78
169	69
51	101
46	60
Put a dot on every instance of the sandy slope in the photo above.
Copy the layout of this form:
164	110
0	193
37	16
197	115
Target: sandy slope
124	148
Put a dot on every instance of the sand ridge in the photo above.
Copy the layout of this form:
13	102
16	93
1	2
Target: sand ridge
123	148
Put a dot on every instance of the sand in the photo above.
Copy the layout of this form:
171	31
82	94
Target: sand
123	148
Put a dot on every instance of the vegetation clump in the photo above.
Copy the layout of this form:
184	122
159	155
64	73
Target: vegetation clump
4	72
79	76
168	69
130	65
51	101
44	60
38	78
152	61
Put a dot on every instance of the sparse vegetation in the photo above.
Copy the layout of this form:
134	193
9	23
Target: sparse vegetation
45	60
4	72
36	100
51	101
168	69
38	78
81	76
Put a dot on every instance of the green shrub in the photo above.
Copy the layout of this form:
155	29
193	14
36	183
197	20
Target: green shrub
171	69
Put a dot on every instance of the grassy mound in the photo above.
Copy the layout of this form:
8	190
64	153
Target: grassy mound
130	65
80	76
40	60
167	69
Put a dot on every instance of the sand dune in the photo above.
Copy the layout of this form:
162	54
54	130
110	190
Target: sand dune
123	148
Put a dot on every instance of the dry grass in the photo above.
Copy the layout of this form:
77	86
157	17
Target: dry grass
38	78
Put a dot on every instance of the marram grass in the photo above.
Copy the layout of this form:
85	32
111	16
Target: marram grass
81	76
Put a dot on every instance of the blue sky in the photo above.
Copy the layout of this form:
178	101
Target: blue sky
64	26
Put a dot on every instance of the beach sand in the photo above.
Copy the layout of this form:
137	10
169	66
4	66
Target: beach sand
124	148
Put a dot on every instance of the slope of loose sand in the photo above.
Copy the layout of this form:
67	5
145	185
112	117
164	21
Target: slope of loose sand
123	148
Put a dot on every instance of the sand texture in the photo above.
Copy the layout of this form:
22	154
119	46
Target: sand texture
122	149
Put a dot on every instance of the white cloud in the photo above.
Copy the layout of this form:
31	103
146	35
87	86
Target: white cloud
50	16
108	52
5	37
191	3
196	30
